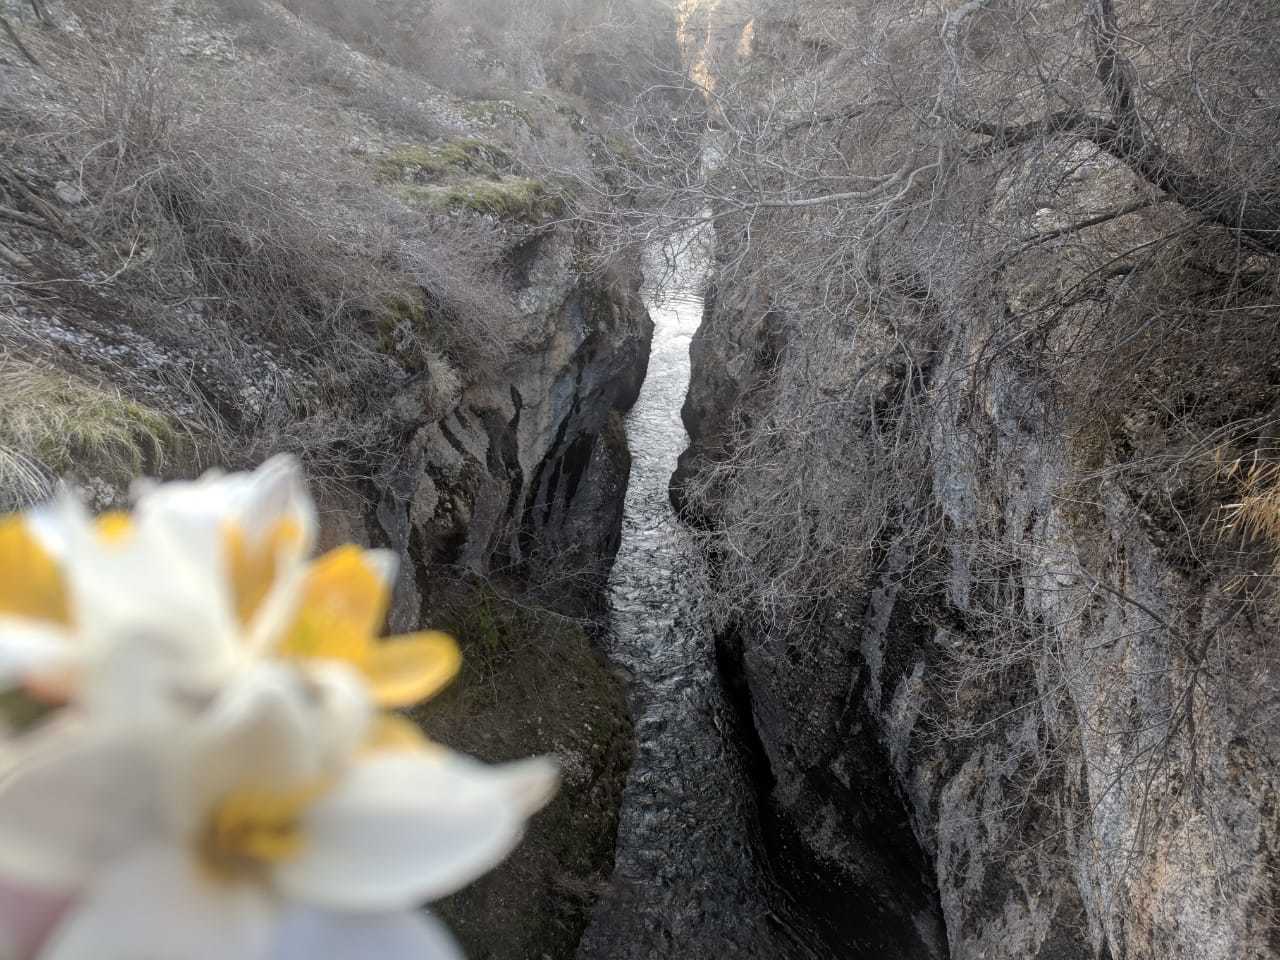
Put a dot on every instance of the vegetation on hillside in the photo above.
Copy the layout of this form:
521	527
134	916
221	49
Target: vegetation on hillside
301	203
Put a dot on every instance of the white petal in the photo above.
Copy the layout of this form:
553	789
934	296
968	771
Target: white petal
384	564
404	827
27	916
276	612
152	610
529	784
58	521
153	905
342	712
151	678
162	584
208	498
78	799
274	725
278	490
255	501
28	645
255	733
307	934
153	595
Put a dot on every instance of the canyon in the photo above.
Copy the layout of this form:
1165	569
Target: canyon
841	433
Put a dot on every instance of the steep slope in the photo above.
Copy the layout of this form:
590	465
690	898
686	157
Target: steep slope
233	229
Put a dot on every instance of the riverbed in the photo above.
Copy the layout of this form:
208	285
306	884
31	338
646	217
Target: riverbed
689	881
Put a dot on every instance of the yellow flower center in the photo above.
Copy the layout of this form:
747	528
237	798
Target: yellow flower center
31	584
252	829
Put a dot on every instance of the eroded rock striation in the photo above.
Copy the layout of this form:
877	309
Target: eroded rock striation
528	466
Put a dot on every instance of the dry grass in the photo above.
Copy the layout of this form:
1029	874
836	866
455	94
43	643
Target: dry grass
52	423
201	191
1256	512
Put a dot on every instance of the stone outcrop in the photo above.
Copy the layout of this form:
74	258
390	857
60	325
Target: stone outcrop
530	465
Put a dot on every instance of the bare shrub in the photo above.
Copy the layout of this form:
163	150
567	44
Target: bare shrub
466	312
884	187
814	478
186	197
246	234
430	39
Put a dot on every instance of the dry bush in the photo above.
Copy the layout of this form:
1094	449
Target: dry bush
244	233
817	477
300	250
493	48
187	197
312	57
433	40
466	311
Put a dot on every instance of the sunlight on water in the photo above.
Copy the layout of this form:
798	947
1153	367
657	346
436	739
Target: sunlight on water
646	587
685	882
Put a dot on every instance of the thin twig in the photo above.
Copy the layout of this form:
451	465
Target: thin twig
22	47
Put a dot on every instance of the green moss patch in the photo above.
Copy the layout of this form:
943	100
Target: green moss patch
468	155
510	198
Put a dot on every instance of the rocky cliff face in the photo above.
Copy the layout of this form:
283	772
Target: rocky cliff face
1036	671
523	480
529	466
1073	712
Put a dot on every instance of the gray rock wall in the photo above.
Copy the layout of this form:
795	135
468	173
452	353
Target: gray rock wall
1046	655
1073	711
529	466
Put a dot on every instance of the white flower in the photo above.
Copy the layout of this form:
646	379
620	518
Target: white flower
189	571
220	781
269	824
84	598
159	608
263	522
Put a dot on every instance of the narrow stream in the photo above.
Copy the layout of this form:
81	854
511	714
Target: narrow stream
688	881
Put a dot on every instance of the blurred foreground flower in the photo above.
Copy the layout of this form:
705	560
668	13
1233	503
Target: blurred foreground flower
202	578
219	781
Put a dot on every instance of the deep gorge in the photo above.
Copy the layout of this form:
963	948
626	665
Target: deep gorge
709	860
842	433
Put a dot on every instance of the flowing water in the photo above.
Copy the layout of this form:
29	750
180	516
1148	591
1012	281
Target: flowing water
688	881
